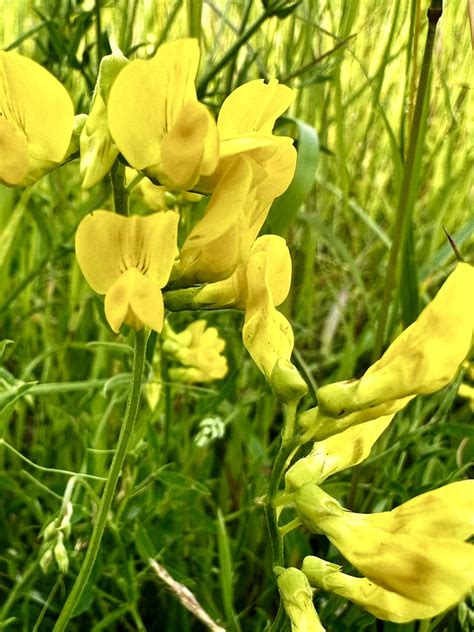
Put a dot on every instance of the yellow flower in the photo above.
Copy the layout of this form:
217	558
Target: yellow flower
199	348
423	359
382	603
245	125
239	205
297	597
36	120
416	550
336	453
156	120
129	259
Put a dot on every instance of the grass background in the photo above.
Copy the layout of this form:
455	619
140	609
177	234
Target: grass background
354	66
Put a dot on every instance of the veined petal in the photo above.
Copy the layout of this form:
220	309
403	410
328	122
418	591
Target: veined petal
14	154
147	97
108	244
135	300
36	103
253	107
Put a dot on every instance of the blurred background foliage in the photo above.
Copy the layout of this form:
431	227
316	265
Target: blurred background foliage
196	506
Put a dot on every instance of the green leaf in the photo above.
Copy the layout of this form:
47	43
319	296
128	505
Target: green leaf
285	208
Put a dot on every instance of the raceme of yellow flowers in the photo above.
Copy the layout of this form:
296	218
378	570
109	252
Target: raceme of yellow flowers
415	559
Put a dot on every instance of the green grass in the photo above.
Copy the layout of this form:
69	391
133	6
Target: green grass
198	510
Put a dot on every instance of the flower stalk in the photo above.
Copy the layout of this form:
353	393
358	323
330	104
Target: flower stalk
110	485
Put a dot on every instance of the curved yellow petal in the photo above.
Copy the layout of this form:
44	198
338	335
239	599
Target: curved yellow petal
253	107
135	300
337	453
14	161
444	512
278	265
212	250
382	603
147	97
423	359
183	148
36	103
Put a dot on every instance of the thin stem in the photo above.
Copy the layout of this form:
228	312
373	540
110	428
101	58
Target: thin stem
119	192
434	13
230	54
109	490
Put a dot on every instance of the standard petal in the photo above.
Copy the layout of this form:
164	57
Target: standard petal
253	107
14	154
36	103
147	98
100	238
155	238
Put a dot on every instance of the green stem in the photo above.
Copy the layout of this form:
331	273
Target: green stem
201	91
119	191
109	490
434	13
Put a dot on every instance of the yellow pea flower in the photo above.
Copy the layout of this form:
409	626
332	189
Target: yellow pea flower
297	598
36	120
423	359
416	550
156	120
383	604
199	349
339	452
245	125
129	259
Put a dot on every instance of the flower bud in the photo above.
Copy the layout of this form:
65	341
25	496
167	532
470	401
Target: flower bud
297	598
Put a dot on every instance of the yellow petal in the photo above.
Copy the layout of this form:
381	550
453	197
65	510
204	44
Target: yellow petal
337	453
183	148
212	250
447	511
267	335
147	97
253	107
108	244
315	425
35	102
423	359
14	154
383	604
135	300
278	268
